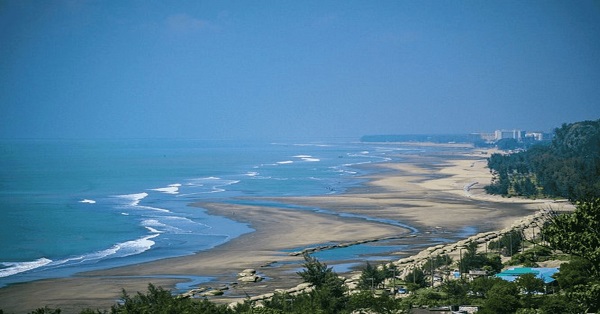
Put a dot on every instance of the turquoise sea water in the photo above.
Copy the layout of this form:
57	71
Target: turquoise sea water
68	206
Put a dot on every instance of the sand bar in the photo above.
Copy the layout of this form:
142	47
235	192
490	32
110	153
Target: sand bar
439	194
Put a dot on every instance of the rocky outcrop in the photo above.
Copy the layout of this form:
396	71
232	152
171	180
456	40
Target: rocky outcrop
249	275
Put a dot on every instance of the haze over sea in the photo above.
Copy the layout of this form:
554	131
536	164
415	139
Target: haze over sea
68	206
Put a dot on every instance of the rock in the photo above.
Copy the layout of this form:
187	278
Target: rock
247	272
213	293
251	278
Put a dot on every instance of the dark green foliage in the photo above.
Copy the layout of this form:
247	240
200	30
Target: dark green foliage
587	296
416	279
46	310
577	233
508	244
530	284
330	292
574	273
160	301
560	303
370	303
373	277
569	167
482	285
507	144
503	297
471	260
90	311
437	262
315	272
531	257
456	291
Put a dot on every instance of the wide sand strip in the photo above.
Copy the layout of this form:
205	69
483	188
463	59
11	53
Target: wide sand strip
427	192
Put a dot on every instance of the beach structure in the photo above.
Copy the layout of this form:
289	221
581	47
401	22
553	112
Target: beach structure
514	273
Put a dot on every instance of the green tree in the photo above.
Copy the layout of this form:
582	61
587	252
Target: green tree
577	233
456	291
45	310
560	303
329	295
502	298
416	279
482	285
159	300
576	272
529	284
366	302
372	277
508	244
315	272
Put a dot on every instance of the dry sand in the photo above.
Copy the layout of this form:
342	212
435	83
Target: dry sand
427	192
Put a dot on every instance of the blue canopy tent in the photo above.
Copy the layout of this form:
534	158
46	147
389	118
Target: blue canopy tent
542	273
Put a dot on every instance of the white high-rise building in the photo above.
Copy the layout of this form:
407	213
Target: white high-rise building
514	134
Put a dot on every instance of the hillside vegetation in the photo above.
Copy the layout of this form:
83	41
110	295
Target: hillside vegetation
567	168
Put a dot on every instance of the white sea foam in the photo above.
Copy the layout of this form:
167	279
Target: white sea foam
307	158
153	224
315	145
153	230
134	198
122	249
12	268
285	162
170	189
252	174
162	210
87	201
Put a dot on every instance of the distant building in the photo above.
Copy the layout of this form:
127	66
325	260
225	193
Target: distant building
539	136
510	134
519	135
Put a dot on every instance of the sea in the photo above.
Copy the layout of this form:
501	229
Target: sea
74	205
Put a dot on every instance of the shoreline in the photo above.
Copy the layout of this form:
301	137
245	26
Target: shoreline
428	192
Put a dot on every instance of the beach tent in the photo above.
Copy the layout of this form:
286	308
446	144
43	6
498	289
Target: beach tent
512	274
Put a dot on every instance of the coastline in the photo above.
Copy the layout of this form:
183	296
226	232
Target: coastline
436	194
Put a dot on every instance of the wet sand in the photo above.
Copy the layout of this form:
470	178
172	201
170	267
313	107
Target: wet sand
441	195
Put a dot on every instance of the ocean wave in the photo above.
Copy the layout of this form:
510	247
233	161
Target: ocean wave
313	145
87	201
170	189
122	249
13	268
134	198
285	162
307	158
311	159
251	173
162	210
153	224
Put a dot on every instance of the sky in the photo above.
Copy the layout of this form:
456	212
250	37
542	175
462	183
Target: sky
295	69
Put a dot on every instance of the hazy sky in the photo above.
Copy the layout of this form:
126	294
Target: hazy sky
275	69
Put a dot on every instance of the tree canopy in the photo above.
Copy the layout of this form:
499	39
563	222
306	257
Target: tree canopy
569	167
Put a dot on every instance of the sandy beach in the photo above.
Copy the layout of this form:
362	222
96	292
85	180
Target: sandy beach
439	195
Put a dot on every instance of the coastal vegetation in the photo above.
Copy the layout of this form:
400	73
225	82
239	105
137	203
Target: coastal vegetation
567	168
574	237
